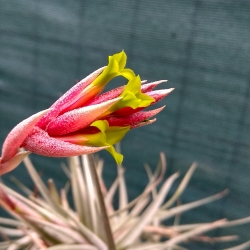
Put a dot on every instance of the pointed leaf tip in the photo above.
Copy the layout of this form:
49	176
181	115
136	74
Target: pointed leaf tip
150	86
159	94
144	123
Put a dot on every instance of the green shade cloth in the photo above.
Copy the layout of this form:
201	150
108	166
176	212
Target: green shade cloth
201	47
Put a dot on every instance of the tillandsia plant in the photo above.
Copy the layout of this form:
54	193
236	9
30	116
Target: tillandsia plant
46	220
85	120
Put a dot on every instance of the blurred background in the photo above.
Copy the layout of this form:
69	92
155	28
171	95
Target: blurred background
201	47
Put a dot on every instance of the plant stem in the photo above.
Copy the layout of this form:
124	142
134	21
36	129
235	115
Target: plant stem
104	215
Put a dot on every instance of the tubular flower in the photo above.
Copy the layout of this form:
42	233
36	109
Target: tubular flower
84	120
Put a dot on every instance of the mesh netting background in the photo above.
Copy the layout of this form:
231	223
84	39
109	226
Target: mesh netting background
201	47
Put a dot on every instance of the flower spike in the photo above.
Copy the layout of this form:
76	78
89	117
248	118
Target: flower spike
85	120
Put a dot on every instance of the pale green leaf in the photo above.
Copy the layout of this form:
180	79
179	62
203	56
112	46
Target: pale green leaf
149	212
181	187
166	214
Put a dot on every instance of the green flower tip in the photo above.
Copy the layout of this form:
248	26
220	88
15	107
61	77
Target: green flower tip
116	67
108	136
132	96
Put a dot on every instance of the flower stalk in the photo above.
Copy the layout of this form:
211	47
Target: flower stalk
103	214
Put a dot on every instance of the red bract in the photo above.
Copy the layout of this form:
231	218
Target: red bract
83	120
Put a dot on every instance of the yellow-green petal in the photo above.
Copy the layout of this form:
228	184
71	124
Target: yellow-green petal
146	100
112	134
116	67
96	139
121	58
129	99
116	134
102	125
132	97
117	156
128	73
134	86
107	136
